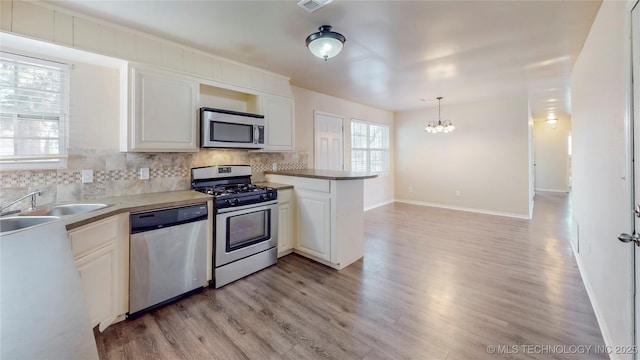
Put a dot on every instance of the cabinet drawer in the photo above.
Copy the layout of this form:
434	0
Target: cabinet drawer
284	196
93	236
313	184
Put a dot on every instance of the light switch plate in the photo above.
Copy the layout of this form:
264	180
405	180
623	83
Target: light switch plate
144	173
87	176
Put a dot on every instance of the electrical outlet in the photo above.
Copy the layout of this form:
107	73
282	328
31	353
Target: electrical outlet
274	167
87	176
458	193
144	173
410	189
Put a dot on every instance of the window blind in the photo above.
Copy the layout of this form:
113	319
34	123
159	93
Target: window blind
33	109
369	147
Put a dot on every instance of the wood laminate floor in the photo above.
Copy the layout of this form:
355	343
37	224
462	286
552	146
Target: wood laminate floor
433	284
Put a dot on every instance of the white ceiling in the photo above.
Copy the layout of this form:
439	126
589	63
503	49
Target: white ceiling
397	52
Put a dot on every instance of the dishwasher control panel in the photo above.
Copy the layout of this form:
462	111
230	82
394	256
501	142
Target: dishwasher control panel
192	212
161	218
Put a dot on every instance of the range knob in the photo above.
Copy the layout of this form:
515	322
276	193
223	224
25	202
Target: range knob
235	201
227	202
262	196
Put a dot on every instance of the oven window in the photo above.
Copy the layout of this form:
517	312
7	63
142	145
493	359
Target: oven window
226	132
247	229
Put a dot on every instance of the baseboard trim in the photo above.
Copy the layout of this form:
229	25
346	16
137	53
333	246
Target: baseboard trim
460	208
604	330
378	205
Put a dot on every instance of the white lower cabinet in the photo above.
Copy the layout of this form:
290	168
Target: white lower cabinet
98	276
101	253
328	219
314	223
285	222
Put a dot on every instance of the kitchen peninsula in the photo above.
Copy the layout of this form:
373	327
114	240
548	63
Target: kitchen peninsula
328	213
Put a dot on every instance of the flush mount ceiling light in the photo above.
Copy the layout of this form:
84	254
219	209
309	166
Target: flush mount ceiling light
439	126
552	121
325	43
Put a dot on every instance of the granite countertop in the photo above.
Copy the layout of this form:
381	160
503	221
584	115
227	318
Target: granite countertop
130	203
275	185
325	174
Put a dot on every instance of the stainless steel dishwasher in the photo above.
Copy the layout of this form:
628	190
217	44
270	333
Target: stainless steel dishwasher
168	255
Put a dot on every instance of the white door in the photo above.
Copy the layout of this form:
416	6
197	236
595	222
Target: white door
328	142
635	36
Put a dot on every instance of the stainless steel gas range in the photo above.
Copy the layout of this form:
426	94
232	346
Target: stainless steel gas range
246	222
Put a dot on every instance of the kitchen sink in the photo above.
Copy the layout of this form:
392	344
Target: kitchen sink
66	209
21	222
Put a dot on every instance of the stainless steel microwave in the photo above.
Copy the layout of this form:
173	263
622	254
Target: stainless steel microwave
231	129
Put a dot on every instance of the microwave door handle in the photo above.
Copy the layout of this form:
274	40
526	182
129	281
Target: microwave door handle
256	134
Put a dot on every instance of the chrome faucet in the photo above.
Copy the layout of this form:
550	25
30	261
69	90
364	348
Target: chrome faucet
31	207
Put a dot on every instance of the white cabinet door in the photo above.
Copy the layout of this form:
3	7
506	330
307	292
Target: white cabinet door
163	112
314	223
101	253
285	222
279	114
99	283
284	228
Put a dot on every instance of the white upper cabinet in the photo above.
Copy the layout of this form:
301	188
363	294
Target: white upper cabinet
279	114
163	111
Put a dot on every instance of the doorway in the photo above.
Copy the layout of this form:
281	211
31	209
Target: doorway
551	154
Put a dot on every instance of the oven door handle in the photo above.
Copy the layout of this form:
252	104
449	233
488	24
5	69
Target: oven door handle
253	207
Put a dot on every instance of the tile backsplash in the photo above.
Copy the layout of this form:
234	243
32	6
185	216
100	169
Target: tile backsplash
116	173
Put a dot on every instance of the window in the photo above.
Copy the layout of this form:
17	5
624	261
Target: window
33	112
369	147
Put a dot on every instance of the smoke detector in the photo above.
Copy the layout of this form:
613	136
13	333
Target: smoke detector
313	5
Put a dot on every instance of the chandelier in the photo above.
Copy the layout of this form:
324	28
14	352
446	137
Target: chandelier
439	126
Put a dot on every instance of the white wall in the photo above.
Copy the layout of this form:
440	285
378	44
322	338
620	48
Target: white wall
94	89
486	158
601	208
377	191
94	107
224	99
551	154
